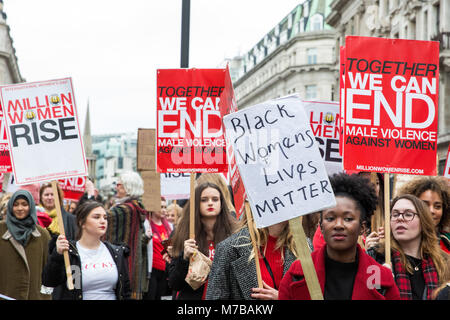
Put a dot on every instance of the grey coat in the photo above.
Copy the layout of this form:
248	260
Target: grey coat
232	276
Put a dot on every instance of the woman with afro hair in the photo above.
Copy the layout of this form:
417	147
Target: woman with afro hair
344	270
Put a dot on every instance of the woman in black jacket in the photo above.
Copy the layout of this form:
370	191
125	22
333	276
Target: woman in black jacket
213	223
100	270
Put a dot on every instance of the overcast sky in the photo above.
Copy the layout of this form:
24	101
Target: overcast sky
112	48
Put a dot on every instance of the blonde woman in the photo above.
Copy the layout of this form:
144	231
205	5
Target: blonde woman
233	275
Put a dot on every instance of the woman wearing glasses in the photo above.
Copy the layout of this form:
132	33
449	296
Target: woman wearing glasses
418	264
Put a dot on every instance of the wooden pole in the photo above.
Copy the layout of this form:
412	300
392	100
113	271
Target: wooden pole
251	230
376	219
192	208
62	232
304	255
387	220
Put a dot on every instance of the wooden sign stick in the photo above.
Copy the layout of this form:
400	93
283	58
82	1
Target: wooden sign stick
387	220
62	232
192	208
376	220
304	255
251	230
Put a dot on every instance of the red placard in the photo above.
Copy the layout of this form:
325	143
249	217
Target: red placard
5	160
189	126
228	105
73	187
391	104
341	99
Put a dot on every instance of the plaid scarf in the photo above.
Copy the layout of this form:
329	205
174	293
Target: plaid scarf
402	277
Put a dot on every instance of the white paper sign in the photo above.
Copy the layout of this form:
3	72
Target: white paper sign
279	161
175	186
43	131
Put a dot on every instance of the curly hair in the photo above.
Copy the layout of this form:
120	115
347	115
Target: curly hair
438	184
356	188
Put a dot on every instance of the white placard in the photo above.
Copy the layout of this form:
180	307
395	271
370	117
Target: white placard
447	165
43	131
175	186
279	161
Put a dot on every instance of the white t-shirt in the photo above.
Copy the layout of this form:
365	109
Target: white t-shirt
99	273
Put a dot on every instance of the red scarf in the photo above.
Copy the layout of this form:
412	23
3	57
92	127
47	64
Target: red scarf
402	279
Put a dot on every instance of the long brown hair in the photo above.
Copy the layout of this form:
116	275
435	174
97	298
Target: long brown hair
429	242
437	184
223	227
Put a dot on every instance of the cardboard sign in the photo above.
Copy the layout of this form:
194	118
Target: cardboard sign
447	165
228	105
151	199
189	127
73	187
391	103
5	160
146	151
279	161
175	186
43	131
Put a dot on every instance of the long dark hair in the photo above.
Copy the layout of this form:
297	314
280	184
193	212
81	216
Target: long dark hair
223	227
82	212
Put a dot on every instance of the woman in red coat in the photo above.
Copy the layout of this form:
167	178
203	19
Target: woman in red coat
344	270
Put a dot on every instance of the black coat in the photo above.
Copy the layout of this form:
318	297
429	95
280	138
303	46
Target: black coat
177	272
54	273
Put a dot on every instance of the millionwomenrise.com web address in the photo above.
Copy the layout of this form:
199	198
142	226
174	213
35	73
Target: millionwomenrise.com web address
389	170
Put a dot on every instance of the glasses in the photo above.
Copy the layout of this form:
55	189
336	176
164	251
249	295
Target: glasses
407	215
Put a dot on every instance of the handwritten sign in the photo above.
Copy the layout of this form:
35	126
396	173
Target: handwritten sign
279	161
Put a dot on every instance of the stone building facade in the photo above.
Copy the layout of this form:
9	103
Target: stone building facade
402	19
296	56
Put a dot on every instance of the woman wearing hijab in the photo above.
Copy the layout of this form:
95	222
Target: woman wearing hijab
23	249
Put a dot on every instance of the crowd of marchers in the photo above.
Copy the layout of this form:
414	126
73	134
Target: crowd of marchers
118	250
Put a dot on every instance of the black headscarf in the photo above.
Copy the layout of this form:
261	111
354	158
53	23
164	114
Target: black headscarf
21	229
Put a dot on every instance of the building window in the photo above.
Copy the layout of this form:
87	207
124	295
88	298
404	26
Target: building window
316	22
311	92
311	55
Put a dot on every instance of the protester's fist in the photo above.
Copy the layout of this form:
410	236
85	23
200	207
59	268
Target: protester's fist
189	248
265	293
374	238
90	189
62	244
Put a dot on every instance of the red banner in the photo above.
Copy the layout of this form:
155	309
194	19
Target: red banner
228	105
391	105
5	160
73	187
189	125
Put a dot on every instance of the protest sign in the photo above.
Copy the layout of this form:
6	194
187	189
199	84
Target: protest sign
391	105
227	104
5	160
175	186
73	187
151	199
279	161
447	165
341	98
43	131
146	151
324	119
189	127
